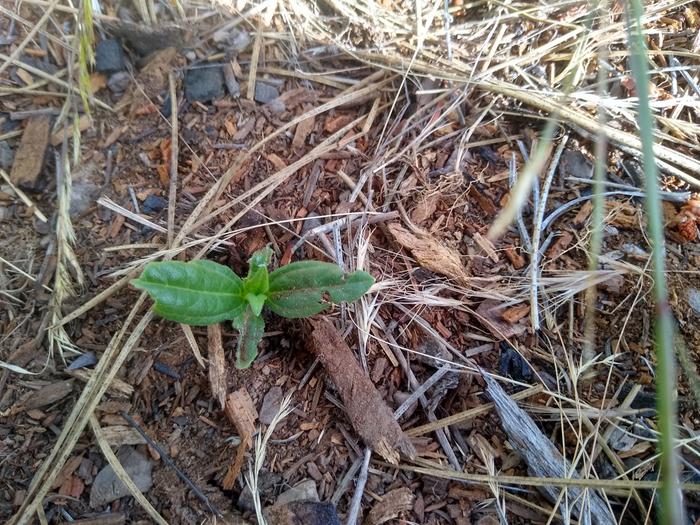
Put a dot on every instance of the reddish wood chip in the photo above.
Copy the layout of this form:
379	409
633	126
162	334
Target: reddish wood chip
515	313
368	413
333	124
304	129
491	314
517	260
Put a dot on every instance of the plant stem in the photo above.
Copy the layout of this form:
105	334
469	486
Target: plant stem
671	511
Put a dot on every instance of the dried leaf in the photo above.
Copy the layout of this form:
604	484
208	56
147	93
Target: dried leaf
431	254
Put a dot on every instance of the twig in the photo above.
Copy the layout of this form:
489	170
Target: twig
536	234
53	78
169	462
678	197
254	58
512	178
413	382
174	150
418	392
354	511
23	197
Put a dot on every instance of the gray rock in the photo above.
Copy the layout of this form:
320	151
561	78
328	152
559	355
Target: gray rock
573	163
109	56
276	106
82	196
271	405
84	190
204	84
108	487
302	491
306	512
235	39
154	204
118	82
7	155
694	300
265	93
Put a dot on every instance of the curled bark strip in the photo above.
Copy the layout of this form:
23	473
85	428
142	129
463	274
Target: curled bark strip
367	411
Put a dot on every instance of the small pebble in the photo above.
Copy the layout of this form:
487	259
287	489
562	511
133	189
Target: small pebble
233	40
302	491
694	300
154	204
265	93
107	487
7	155
109	56
118	82
512	364
204	84
276	106
271	405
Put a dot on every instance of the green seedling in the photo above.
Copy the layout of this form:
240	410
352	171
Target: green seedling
203	292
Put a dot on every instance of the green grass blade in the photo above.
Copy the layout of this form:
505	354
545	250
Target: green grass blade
671	511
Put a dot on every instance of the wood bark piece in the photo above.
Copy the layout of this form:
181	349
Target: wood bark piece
241	412
393	503
367	411
542	457
217	364
431	254
29	159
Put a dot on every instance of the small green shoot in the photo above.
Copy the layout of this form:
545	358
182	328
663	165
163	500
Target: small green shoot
202	292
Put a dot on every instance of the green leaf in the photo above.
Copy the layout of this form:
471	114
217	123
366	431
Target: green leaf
256	302
305	288
257	282
251	328
198	293
260	259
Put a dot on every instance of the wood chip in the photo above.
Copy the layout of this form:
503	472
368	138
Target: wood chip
84	122
517	260
241	412
49	394
486	245
370	416
515	313
304	129
392	504
431	254
543	458
490	312
29	159
333	124
118	435
217	364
